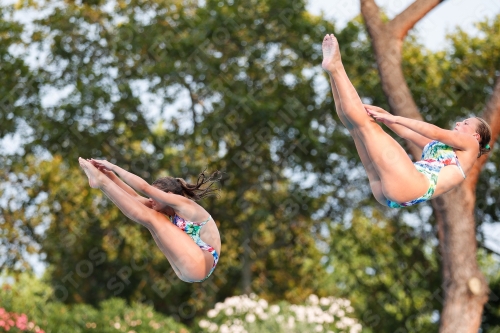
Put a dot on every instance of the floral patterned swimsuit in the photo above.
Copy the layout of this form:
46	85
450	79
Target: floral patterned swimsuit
193	231
435	156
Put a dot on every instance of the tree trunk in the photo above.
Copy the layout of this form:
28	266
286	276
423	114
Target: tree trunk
464	287
246	270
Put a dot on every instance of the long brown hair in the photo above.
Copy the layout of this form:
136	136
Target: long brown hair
196	191
484	131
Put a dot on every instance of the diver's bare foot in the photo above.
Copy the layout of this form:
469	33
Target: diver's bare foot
92	173
331	53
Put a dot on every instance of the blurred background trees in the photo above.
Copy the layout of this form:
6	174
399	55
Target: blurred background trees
172	88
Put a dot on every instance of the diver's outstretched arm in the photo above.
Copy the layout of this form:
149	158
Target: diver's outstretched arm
177	202
111	175
453	139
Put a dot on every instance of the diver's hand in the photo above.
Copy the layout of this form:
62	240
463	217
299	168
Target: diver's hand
102	164
380	115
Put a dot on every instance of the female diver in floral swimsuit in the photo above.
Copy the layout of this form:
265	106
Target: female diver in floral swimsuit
180	240
395	181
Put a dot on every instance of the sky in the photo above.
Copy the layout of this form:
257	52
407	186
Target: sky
433	28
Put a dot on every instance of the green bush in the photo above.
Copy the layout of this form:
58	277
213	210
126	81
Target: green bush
30	296
239	314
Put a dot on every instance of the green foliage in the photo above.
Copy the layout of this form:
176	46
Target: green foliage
490	265
34	297
231	73
387	269
18	98
19	88
296	215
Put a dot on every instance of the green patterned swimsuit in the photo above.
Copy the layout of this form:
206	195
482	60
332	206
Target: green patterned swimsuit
193	231
435	156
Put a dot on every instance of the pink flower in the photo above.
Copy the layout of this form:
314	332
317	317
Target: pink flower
10	320
4	314
22	321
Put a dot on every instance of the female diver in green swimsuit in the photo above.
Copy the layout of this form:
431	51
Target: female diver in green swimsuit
394	180
181	241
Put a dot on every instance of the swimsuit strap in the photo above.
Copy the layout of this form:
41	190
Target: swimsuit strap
459	166
204	222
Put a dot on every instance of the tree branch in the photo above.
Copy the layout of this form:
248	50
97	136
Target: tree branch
194	101
404	21
492	116
371	14
492	111
489	250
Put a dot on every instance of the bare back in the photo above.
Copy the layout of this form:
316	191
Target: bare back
209	233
